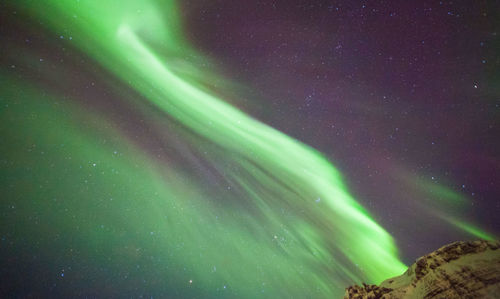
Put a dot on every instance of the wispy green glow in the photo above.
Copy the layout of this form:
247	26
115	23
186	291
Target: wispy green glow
441	192
471	229
443	202
293	230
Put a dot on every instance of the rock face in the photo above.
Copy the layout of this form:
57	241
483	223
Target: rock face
457	270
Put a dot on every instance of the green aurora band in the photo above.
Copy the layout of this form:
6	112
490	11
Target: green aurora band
127	222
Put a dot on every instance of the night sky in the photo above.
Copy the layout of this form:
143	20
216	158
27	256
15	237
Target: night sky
242	149
401	95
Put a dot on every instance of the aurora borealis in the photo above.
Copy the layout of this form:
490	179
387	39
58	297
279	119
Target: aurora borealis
139	160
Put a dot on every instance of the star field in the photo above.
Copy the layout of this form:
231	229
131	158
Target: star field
241	149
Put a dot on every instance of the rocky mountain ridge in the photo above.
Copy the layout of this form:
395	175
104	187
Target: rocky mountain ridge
457	270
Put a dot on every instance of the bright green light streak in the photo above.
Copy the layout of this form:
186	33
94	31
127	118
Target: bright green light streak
331	236
287	160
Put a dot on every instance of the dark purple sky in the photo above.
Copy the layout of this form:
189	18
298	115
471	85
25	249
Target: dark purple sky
402	96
